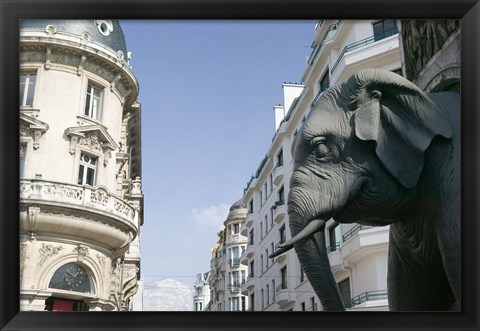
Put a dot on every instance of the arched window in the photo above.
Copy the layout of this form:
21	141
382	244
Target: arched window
72	277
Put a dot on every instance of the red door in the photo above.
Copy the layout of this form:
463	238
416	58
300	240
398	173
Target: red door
62	305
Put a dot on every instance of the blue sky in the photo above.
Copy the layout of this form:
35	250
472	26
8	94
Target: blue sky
207	90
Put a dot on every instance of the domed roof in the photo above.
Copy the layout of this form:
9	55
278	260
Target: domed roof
237	205
106	32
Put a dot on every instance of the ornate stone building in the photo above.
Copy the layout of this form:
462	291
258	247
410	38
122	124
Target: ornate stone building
201	294
227	275
81	202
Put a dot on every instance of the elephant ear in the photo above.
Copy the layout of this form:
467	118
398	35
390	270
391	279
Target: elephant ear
400	118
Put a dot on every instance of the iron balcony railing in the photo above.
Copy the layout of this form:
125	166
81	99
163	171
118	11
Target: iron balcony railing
350	233
333	247
319	94
317	49
369	296
281	287
361	43
277	204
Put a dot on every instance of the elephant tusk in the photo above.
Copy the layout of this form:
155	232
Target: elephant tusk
312	227
280	251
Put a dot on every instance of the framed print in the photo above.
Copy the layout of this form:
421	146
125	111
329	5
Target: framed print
73	207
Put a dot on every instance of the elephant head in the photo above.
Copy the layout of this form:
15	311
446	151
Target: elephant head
357	158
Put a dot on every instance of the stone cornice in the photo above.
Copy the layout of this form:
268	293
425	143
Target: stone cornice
81	54
32	125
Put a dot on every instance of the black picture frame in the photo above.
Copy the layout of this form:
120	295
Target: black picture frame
11	11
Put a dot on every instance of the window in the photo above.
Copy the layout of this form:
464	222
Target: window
261	263
243	277
236	228
200	306
302	274
384	29
266	255
314	307
261	230
268	294
280	158
334	236
27	88
23	154
263	298
265	190
281	195
271	182
283	273
324	83
250	207
86	171
243	303
252	269
283	235
302	306
344	287
261	197
273	250
266	224
273	289
93	102
251	242
271	216
252	302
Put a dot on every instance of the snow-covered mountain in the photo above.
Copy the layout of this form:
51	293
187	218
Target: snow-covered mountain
167	295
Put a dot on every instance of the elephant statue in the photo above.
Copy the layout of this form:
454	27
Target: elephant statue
376	150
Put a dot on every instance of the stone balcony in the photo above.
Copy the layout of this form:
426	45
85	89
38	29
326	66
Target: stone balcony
76	211
283	295
278	173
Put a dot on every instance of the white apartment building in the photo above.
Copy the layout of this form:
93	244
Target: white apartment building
358	254
227	275
201	294
81	202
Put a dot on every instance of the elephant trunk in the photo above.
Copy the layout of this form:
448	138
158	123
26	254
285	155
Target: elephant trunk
311	249
312	254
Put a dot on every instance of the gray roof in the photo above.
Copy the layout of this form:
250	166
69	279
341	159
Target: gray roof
237	205
115	39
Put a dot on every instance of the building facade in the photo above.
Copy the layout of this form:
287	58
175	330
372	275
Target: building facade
201	292
357	254
81	201
227	274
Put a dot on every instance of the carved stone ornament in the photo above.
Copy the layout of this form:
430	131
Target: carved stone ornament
85	36
137	186
92	137
81	251
32	127
48	58
33	212
100	196
80	66
102	260
422	39
50	29
92	142
47	251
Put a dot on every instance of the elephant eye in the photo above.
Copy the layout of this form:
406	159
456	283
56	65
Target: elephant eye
320	150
